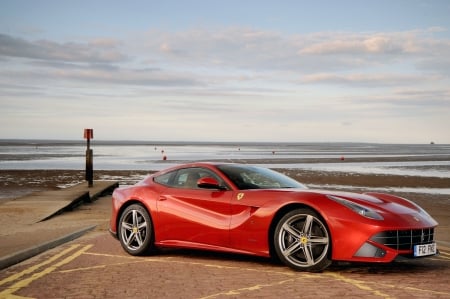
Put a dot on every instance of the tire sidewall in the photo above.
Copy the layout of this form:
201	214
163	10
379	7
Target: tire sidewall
147	244
325	262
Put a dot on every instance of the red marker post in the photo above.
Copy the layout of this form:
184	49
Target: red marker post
88	135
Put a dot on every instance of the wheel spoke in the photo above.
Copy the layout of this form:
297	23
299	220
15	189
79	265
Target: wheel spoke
291	230
135	218
138	239
130	238
294	247
127	226
142	226
308	254
318	240
308	225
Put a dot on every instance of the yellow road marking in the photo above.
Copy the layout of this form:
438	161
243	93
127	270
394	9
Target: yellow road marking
16	297
8	292
358	283
111	255
170	259
98	267
249	289
397	286
426	291
35	267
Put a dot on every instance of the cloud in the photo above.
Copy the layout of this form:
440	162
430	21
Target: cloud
206	57
368	80
374	43
264	81
399	104
436	99
142	77
360	44
98	51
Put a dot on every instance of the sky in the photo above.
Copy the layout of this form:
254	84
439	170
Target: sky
272	71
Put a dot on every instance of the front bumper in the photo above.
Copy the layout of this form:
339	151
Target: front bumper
387	245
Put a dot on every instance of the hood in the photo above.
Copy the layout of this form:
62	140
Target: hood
391	208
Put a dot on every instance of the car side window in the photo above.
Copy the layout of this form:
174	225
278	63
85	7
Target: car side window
186	178
164	179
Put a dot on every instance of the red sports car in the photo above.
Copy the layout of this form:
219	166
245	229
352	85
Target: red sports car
253	210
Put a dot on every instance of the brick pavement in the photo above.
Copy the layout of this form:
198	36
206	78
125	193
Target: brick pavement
95	266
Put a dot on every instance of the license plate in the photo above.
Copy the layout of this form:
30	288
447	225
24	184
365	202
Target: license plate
425	249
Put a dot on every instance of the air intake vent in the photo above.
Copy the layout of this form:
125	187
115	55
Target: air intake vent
404	239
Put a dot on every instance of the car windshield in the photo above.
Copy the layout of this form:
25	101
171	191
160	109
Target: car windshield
254	177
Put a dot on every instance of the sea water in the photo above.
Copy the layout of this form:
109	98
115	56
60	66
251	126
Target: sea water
426	160
151	156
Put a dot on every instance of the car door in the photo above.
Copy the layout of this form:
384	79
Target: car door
190	216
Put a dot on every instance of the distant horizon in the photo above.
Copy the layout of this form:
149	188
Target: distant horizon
178	142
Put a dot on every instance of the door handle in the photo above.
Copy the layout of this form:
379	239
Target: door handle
162	198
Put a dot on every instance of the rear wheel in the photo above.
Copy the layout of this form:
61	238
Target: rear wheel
302	241
136	230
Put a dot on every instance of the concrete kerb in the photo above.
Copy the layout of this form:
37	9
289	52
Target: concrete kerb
22	255
95	195
84	197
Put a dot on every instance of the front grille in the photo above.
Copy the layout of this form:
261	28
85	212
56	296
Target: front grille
404	239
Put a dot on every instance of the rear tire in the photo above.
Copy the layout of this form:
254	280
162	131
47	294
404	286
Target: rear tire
136	230
302	241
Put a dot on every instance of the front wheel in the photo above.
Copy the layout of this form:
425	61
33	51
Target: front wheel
302	241
135	230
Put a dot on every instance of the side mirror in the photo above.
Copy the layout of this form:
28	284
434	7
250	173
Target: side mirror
209	183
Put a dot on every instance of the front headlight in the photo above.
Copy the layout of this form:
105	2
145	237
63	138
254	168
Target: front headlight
357	208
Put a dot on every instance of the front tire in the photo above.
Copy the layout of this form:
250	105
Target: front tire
302	241
136	230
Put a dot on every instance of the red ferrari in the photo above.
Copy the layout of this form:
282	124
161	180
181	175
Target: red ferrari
253	210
